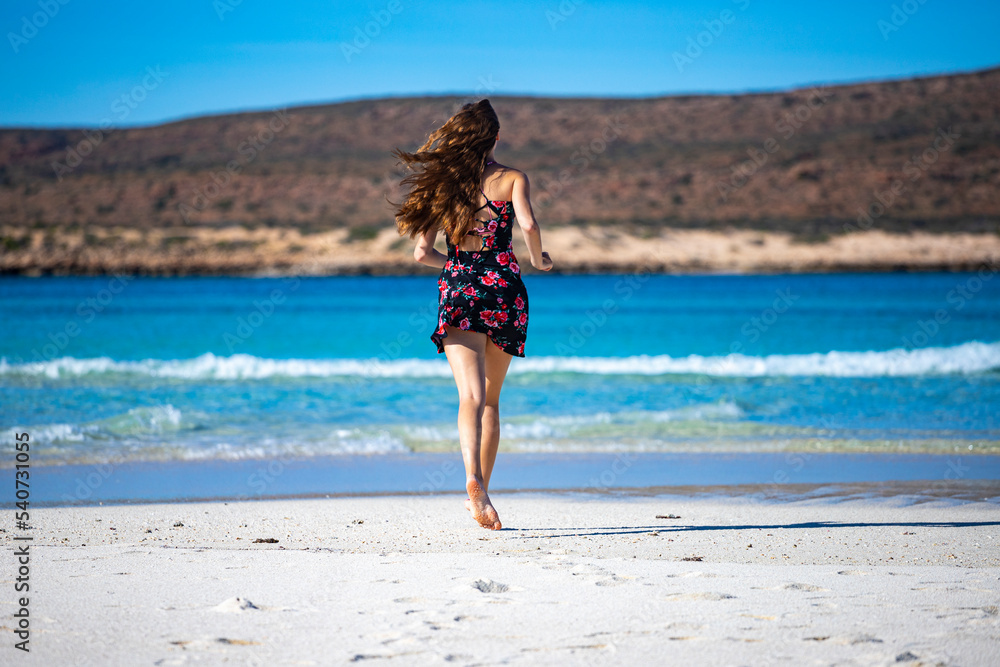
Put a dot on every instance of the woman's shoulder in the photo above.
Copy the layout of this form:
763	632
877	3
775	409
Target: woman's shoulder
510	174
508	170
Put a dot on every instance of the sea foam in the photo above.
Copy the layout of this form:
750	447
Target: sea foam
966	359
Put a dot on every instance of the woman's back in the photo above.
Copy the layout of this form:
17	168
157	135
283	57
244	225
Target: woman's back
493	232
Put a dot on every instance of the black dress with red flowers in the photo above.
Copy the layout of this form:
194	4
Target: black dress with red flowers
481	290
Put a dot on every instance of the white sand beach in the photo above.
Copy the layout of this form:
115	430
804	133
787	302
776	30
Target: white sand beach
572	579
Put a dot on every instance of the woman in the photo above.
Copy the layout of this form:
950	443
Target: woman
459	188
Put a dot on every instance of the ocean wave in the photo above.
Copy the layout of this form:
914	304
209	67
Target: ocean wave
966	359
154	435
208	366
142	421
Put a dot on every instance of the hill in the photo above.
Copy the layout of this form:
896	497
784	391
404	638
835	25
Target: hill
915	155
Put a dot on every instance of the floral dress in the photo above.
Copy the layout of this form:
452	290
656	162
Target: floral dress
481	290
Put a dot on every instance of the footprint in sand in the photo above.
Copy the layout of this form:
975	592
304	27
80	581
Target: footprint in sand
847	640
613	580
489	586
235	605
212	644
856	573
801	587
576	569
707	595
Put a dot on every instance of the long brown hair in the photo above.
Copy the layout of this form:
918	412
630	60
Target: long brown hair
448	173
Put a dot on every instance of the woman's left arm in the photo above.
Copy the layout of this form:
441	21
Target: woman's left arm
425	253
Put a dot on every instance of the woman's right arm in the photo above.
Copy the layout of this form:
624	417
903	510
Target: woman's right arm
526	219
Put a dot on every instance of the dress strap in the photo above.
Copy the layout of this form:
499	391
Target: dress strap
488	203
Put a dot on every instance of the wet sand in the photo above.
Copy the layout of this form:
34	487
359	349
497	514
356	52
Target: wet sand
761	474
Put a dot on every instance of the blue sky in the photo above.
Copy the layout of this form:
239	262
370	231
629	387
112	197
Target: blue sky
71	64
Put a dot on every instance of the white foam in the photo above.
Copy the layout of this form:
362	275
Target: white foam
47	433
967	358
235	367
107	440
710	411
356	441
145	419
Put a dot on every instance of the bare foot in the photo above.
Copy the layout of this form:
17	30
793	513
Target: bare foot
482	509
468	504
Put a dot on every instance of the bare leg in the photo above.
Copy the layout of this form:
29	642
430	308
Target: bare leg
497	363
466	352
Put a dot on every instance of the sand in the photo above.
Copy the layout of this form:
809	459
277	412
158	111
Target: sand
234	250
572	579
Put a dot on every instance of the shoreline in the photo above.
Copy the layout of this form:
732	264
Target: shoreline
915	491
428	474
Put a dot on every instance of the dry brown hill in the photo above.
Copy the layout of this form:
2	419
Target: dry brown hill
811	160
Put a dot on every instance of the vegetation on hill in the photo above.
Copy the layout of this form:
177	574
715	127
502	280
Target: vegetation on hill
920	154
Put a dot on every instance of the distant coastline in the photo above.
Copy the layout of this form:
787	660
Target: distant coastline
237	251
882	176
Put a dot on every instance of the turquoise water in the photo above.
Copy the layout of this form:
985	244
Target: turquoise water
150	369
